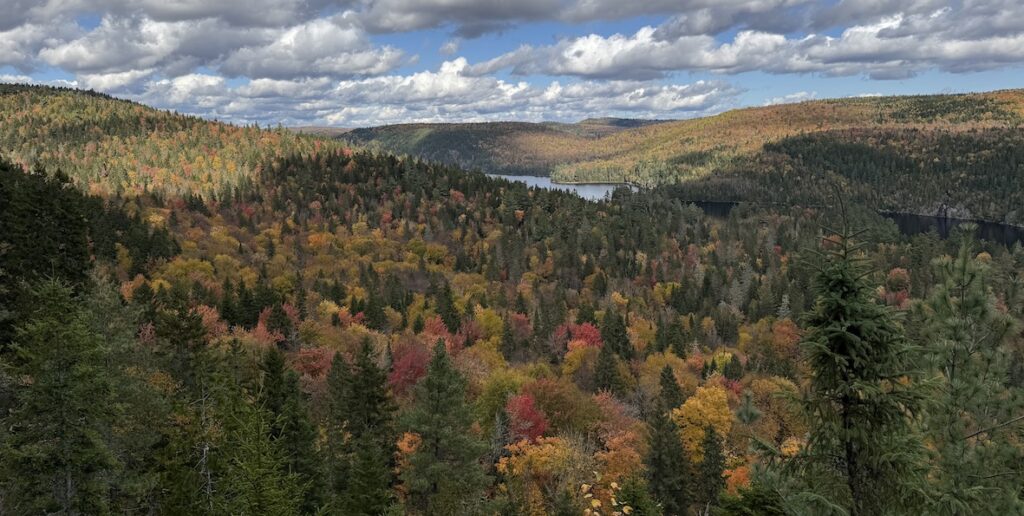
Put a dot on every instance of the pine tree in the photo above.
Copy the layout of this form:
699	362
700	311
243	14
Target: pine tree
291	429
748	413
668	469
862	392
444	474
979	469
55	453
255	479
710	481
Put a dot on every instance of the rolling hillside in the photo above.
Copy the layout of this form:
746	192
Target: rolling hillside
277	315
953	155
598	151
515	148
109	145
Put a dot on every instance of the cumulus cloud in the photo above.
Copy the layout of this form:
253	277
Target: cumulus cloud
331	47
446	94
326	61
450	47
792	98
889	47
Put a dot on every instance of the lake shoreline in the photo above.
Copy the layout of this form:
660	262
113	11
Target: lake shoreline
908	222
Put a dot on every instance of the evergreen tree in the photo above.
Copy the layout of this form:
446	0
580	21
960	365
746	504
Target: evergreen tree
447	310
635	495
613	333
280	322
863	453
671	393
255	479
710	481
757	499
979	468
444	475
747	412
586	314
371	436
369	485
291	429
339	381
56	457
508	341
668	468
733	369
606	372
141	411
375	316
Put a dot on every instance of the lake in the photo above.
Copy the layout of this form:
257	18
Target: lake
592	191
908	224
991	231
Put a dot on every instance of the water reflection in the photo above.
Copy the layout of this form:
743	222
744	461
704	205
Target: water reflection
592	191
908	224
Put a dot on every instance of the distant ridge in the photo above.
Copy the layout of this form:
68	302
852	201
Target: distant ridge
658	152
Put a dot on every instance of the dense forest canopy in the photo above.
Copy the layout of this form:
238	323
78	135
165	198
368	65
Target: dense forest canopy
197	318
961	147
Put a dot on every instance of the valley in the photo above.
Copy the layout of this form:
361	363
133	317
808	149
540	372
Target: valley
248	320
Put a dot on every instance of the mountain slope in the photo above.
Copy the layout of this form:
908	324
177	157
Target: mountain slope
114	146
677	150
497	147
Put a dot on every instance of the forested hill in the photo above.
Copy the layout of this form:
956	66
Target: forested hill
198	318
957	155
495	147
108	145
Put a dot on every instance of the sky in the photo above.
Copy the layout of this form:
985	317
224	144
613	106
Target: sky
356	63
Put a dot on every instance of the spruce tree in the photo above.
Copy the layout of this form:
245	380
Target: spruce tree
291	429
369	485
710	481
613	333
55	455
863	453
447	310
667	466
636	495
371	436
606	372
375	316
444	475
338	388
671	395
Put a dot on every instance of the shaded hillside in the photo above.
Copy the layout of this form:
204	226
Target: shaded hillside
494	147
972	174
